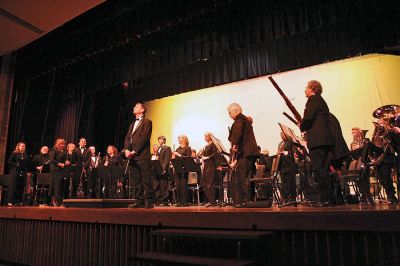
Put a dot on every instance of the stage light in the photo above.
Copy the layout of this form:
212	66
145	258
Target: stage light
125	85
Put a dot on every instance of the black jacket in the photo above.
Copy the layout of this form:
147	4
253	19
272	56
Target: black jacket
56	158
316	122
139	141
242	135
164	156
340	149
19	163
79	158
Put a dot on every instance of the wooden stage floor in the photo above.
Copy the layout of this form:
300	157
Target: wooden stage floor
382	217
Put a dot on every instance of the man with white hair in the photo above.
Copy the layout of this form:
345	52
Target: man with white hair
243	142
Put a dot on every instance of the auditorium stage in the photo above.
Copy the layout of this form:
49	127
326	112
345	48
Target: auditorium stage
342	235
382	217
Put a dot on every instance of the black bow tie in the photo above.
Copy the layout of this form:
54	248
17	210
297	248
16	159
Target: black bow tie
137	119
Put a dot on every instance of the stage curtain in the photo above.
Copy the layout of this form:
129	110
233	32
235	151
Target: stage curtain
220	43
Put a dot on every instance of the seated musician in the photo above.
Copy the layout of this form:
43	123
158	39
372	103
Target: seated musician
384	146
41	159
41	164
154	155
356	146
390	160
261	157
195	156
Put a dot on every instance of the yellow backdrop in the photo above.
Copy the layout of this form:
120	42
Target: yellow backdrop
353	89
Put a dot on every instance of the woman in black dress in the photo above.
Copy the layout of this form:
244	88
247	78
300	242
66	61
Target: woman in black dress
209	169
112	178
58	163
19	166
181	179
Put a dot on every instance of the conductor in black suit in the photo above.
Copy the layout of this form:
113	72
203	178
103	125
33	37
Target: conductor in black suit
319	140
244	144
137	150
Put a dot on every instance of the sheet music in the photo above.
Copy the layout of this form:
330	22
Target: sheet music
291	135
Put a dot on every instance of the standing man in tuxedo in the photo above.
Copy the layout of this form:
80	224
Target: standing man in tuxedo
319	140
137	150
243	142
80	160
164	154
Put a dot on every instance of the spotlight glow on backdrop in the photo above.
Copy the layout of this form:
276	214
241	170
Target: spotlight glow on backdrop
353	89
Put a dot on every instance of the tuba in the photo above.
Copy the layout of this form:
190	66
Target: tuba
380	137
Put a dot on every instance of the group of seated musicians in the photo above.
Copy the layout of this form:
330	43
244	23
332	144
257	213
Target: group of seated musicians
360	160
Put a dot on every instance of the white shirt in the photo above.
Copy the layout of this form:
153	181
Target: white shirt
137	122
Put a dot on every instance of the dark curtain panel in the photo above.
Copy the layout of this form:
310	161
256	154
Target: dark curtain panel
68	122
19	100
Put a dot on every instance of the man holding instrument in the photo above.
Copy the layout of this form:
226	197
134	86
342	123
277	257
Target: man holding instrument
244	145
315	123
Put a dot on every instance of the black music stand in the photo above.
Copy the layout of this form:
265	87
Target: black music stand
117	175
178	166
68	181
294	141
45	169
104	175
43	184
222	170
190	165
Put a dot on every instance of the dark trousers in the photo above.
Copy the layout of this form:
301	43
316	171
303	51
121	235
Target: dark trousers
181	188
57	186
141	181
161	188
289	185
384	171
93	184
16	188
320	168
240	182
209	180
288	176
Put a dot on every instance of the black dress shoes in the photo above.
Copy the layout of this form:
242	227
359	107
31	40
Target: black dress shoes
393	200
240	205
136	205
148	205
